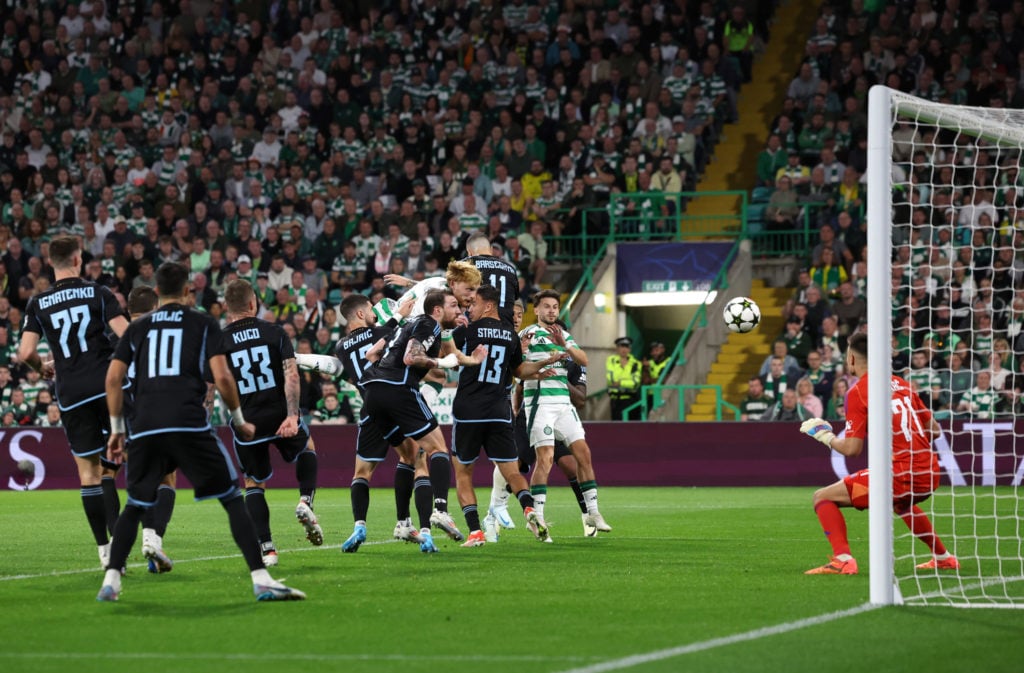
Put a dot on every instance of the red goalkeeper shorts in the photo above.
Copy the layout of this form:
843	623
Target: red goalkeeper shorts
905	492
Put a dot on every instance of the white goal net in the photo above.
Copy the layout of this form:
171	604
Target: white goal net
946	305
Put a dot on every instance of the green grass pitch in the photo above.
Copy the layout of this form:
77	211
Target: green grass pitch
690	580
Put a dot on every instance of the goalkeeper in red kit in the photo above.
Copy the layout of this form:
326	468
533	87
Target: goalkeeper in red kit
915	468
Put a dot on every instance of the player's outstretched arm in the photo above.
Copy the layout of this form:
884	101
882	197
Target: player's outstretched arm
416	356
821	430
228	390
532	370
116	372
325	364
478	356
118	325
395	279
375	351
290	426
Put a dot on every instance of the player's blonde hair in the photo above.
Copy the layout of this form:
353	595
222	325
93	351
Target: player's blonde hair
462	272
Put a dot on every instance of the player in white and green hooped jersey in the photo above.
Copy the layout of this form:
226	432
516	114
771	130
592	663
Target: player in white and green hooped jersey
550	414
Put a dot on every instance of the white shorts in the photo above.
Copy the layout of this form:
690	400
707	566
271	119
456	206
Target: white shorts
547	423
430	394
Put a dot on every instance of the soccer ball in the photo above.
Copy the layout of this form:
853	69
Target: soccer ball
741	314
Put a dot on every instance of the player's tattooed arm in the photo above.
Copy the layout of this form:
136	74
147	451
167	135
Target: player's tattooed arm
290	426
208	402
416	356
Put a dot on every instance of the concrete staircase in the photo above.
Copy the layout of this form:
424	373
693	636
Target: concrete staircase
740	357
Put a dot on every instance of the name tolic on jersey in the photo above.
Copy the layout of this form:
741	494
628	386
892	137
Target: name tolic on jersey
72	316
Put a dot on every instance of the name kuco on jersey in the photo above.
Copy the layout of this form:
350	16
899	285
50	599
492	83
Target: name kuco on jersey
256	351
484	390
168	350
72	316
391	367
503	277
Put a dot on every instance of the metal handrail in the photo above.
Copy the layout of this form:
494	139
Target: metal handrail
654	391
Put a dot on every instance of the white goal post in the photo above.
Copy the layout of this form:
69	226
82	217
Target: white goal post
977	511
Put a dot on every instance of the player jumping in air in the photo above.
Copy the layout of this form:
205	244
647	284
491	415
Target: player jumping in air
915	468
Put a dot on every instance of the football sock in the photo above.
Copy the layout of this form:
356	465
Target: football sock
440	479
574	484
125	532
242	528
525	499
499	492
305	474
360	491
423	494
111	501
96	512
164	508
834	525
405	475
589	492
919	524
472	517
540	496
256	503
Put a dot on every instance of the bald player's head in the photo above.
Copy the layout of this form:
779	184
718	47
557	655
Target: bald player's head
478	244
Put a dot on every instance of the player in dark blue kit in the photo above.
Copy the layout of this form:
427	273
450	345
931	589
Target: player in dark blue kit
142	300
371	447
496	272
73	316
170	350
393	403
262	361
482	410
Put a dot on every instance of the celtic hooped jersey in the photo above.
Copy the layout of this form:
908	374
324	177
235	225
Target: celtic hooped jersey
553	390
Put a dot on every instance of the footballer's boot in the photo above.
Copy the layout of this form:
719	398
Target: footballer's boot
835	567
404	530
304	513
275	591
445	522
588	529
501	515
475	539
354	540
427	542
598	522
536	525
948	563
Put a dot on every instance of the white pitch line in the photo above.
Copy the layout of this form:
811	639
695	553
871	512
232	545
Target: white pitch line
756	634
89	571
246	656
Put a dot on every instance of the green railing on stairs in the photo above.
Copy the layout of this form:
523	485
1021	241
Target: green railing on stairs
651	398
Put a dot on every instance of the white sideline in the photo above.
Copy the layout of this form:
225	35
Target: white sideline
756	634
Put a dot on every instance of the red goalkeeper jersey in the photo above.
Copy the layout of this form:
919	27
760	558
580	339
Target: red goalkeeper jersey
912	455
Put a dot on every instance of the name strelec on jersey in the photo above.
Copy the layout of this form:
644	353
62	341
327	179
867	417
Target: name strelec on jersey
492	333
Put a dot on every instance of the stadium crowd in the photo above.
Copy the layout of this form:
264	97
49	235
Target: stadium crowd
958	276
313	147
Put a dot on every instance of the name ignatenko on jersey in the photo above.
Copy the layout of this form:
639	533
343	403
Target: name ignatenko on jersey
391	367
72	316
169	350
256	351
484	389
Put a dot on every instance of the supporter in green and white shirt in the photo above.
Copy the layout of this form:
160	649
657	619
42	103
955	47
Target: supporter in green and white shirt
32	385
921	374
981	401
